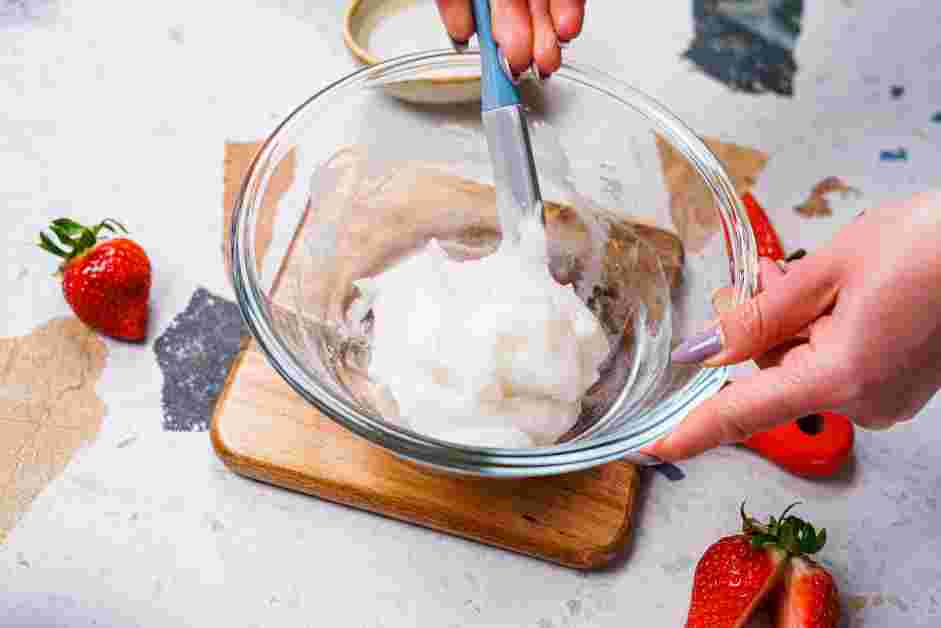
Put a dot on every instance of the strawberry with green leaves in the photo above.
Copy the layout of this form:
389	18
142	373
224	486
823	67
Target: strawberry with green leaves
766	562
105	280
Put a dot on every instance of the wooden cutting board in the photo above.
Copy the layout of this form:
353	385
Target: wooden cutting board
262	429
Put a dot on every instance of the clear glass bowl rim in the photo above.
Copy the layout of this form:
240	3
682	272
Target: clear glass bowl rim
450	457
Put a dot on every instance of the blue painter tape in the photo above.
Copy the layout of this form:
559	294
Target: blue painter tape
898	154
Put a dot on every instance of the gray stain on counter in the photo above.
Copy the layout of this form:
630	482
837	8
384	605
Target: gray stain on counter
195	354
747	44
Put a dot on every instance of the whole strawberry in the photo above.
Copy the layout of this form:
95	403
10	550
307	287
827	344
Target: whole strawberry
105	280
738	574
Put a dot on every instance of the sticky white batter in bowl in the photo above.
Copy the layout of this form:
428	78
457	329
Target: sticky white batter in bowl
488	352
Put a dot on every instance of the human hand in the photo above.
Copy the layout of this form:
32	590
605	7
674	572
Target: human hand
855	328
529	32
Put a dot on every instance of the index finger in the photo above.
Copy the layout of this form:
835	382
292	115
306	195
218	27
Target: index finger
458	19
767	398
513	31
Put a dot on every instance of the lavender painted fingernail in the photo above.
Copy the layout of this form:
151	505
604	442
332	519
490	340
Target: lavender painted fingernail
700	347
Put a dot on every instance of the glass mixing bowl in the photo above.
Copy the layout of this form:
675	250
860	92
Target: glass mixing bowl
641	218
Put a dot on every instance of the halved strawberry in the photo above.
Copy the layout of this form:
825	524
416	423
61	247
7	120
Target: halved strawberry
736	574
809	599
732	579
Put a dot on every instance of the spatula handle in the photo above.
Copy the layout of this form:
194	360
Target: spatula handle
497	89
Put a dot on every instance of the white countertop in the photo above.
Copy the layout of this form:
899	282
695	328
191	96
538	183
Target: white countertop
122	109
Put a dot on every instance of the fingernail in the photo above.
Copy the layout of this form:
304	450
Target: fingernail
507	70
877	427
714	298
534	69
702	346
796	255
721	300
459	46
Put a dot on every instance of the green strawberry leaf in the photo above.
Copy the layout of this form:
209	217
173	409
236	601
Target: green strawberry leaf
68	225
787	532
111	225
821	540
47	244
64	235
75	237
87	240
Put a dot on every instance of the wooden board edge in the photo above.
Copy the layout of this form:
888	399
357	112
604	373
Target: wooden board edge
223	450
582	560
607	554
250	467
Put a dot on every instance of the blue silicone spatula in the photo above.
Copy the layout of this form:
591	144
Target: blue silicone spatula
507	132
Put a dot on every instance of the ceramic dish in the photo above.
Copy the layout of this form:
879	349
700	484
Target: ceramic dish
414	23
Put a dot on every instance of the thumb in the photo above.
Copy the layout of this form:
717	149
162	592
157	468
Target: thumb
763	322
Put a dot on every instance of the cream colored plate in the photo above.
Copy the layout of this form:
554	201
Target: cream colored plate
377	30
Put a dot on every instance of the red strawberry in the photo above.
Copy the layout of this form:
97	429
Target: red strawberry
105	281
809	598
737	574
732	579
769	245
